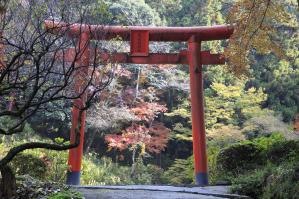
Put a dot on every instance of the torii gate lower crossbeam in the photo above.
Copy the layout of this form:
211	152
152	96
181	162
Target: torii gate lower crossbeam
139	54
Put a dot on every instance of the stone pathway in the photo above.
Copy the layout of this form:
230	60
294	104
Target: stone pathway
155	192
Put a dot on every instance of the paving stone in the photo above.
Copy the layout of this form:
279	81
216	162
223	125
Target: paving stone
155	192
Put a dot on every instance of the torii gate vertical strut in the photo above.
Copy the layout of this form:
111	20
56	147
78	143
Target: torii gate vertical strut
139	38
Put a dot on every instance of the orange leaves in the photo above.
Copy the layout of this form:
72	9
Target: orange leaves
147	133
148	111
159	137
154	138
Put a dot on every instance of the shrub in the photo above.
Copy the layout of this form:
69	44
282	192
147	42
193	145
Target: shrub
251	184
278	177
265	142
239	158
102	171
213	151
156	173
180	172
283	151
271	182
29	164
282	183
56	162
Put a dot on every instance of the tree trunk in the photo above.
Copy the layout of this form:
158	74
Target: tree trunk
8	183
133	163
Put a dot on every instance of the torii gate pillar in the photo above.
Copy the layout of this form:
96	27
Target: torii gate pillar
197	111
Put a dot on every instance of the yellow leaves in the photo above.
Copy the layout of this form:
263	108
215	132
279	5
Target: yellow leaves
183	137
230	103
256	24
284	68
227	92
182	112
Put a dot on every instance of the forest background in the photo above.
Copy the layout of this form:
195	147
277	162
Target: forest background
139	129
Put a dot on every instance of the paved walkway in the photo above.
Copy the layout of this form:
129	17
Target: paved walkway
155	192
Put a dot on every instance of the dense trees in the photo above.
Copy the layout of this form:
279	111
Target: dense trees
142	113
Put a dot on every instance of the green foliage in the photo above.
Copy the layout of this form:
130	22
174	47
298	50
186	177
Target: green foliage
271	182
225	105
248	155
239	158
232	104
28	164
284	151
180	172
224	135
213	151
133	12
156	173
56	162
265	142
282	183
66	194
181	132
252	184
102	171
277	177
6	123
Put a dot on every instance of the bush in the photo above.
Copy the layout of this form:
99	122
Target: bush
156	173
102	171
283	151
180	172
249	155
251	184
278	176
270	182
56	162
239	158
282	183
29	164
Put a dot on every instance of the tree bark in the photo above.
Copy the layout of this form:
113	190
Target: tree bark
133	163
8	183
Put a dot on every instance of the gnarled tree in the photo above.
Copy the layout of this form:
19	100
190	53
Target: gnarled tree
35	76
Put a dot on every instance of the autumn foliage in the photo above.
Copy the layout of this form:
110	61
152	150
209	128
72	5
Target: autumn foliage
145	132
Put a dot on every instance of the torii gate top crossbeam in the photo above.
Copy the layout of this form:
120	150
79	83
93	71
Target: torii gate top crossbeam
102	32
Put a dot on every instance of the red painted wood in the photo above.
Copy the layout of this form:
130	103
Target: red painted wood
139	43
153	58
197	108
75	155
102	32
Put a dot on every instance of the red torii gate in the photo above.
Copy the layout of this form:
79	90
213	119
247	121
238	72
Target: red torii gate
139	37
